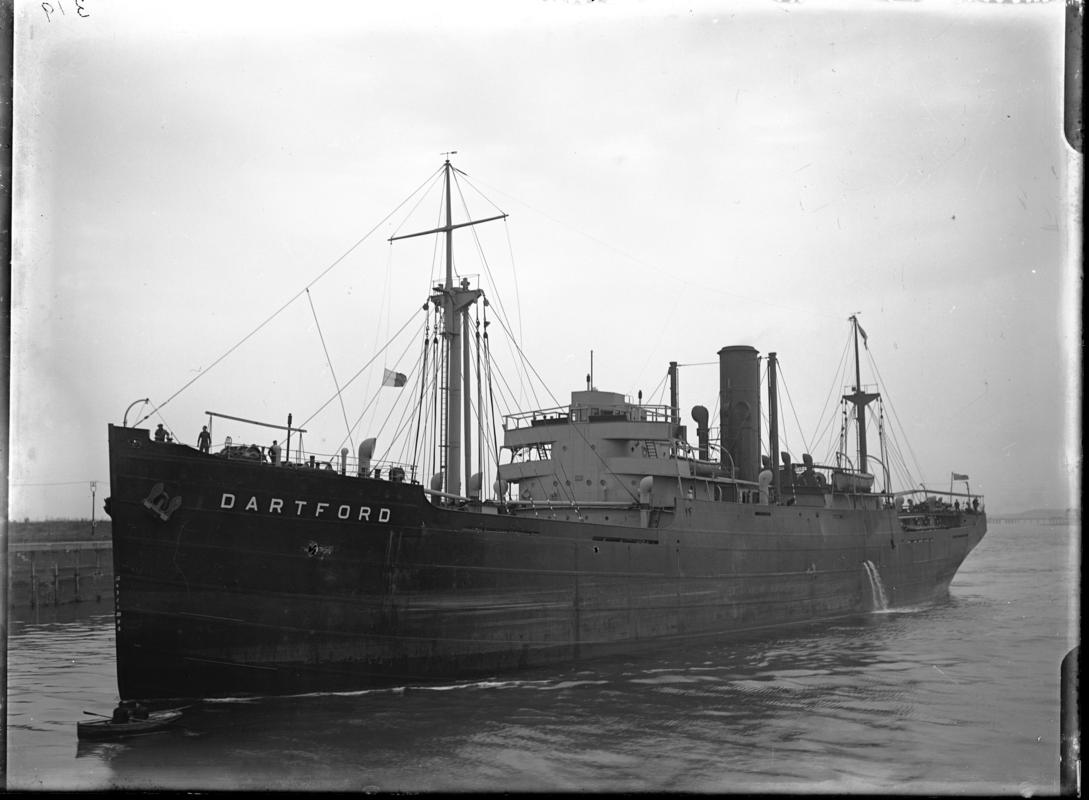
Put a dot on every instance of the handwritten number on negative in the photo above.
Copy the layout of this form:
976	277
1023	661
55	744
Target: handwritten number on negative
50	10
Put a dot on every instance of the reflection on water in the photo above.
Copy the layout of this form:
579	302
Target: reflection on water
961	695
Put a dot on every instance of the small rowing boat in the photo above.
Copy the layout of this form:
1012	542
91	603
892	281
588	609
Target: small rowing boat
106	728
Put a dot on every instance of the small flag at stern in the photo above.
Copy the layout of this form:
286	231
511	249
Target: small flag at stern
391	378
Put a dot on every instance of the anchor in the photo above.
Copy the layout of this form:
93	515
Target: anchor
159	503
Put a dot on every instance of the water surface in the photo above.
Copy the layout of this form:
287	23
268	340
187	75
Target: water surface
961	696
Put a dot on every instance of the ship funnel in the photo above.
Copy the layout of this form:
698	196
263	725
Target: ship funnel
701	416
476	480
366	452
739	399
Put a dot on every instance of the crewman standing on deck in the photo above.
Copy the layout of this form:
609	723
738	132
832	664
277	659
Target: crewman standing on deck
204	440
160	433
274	453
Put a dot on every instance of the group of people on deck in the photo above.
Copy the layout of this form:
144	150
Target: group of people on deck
204	442
910	506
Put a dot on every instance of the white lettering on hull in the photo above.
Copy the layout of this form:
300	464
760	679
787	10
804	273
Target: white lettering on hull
276	505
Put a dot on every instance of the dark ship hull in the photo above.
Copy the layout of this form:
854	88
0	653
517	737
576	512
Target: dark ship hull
236	577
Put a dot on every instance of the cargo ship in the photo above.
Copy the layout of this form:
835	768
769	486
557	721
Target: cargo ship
604	532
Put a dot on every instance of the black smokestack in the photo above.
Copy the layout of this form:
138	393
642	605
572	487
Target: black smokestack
739	399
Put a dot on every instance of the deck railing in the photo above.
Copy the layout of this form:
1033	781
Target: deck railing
304	459
913	501
622	412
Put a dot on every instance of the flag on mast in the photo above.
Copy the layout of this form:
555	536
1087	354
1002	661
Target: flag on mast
858	327
391	378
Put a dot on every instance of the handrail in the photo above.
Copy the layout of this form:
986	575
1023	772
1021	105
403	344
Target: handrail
581	413
936	493
301	460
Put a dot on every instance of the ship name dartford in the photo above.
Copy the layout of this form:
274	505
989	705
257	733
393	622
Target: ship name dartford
276	505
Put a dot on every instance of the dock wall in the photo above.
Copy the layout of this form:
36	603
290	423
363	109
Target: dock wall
42	574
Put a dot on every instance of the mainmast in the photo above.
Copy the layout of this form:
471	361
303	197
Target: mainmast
860	398
454	300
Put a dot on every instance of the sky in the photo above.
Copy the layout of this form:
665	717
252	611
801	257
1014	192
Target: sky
678	177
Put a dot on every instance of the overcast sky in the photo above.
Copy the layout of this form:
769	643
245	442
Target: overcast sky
679	177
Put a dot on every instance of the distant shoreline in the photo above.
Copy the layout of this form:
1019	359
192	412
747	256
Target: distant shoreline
59	530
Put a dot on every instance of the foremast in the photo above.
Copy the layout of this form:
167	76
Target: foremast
454	300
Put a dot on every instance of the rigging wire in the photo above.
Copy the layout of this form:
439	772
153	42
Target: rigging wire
518	303
377	394
403	424
383	315
895	416
837	380
526	361
295	297
500	308
329	361
659	398
500	305
657	270
359	372
508	401
480	433
491	394
423	386
793	409
520	359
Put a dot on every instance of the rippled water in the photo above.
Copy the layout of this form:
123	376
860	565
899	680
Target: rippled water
961	696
